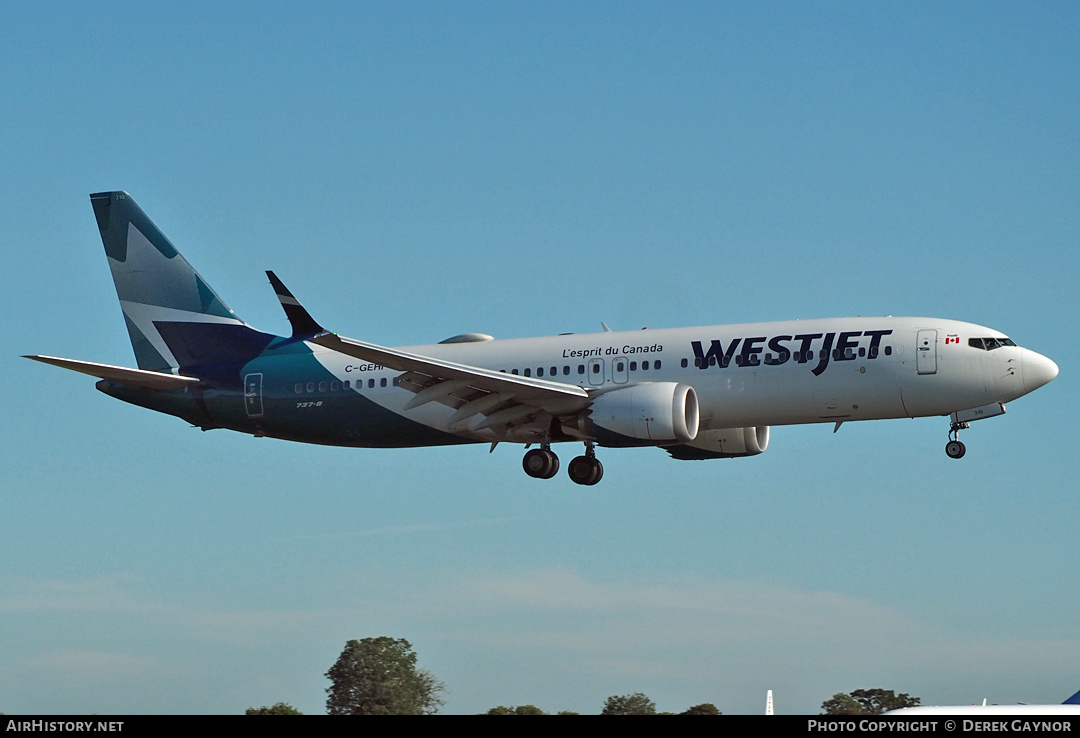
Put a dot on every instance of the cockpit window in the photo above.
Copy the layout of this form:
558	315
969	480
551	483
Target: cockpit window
991	343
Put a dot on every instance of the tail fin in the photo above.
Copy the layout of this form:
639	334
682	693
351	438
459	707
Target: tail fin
174	318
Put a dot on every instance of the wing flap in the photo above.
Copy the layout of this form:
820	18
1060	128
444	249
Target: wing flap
525	390
506	403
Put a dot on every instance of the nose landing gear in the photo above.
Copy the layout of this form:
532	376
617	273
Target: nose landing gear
962	419
954	449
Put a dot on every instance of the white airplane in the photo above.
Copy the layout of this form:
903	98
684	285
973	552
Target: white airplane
1070	706
709	392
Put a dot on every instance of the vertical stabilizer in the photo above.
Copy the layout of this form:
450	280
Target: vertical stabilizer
173	316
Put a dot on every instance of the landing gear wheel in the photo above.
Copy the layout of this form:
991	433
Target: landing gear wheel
955	449
585	470
540	463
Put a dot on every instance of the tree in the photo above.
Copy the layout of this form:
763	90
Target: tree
705	708
867	702
519	710
629	704
378	676
278	708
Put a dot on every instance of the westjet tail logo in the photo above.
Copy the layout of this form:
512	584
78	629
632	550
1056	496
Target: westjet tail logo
802	348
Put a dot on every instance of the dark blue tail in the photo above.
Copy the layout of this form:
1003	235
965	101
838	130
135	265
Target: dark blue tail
177	323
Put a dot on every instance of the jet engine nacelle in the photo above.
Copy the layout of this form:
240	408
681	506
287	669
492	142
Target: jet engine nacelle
724	443
657	412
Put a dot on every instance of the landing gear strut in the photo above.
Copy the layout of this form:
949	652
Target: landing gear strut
954	449
586	469
541	463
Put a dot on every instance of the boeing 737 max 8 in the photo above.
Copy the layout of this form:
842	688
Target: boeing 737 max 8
699	393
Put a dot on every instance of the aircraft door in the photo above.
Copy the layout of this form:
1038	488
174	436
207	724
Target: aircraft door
619	371
926	352
253	395
596	372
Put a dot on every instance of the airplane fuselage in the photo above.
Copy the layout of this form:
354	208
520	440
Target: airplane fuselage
753	374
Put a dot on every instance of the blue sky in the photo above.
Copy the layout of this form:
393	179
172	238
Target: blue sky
414	171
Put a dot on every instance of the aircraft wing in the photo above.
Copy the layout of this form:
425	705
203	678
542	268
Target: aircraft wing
507	402
491	393
133	377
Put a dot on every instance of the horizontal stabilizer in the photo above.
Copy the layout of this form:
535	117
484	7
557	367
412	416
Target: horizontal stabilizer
133	377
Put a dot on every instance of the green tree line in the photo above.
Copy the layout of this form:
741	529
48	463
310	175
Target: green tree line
379	676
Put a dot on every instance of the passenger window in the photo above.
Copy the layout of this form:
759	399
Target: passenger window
322	386
554	371
656	364
540	372
382	382
299	387
334	386
310	386
528	372
513	371
348	384
371	384
862	352
580	368
644	366
888	350
684	363
619	366
566	370
633	366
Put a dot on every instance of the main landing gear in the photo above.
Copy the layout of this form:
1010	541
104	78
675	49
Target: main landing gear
542	463
954	449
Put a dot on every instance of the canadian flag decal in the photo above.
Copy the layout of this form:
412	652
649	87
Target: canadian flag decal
951	339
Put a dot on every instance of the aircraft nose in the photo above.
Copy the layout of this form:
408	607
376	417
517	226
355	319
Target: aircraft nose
1036	370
